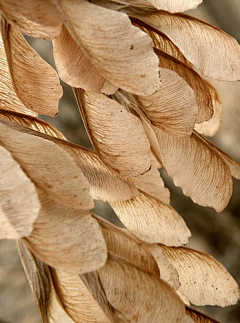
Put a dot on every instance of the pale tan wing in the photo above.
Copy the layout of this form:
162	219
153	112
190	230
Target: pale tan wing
130	104
108	88
160	40
67	239
203	91
175	5
121	52
202	44
40	281
31	123
173	108
152	184
126	285
167	271
36	18
138	296
144	6
233	165
210	128
77	300
97	289
197	168
8	98
39	278
199	277
104	183
47	165
19	203
152	220
73	66
35	81
117	135
125	246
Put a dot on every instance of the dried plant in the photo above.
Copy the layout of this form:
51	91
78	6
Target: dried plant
137	69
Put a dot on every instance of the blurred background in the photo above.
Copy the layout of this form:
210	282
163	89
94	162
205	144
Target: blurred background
215	233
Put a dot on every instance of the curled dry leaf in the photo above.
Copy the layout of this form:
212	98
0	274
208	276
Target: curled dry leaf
199	317
8	98
77	300
152	184
152	221
206	177
36	18
138	296
31	123
40	281
211	127
173	108
19	203
48	167
110	126
122	53
35	81
202	44
73	66
201	88
199	277
67	239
